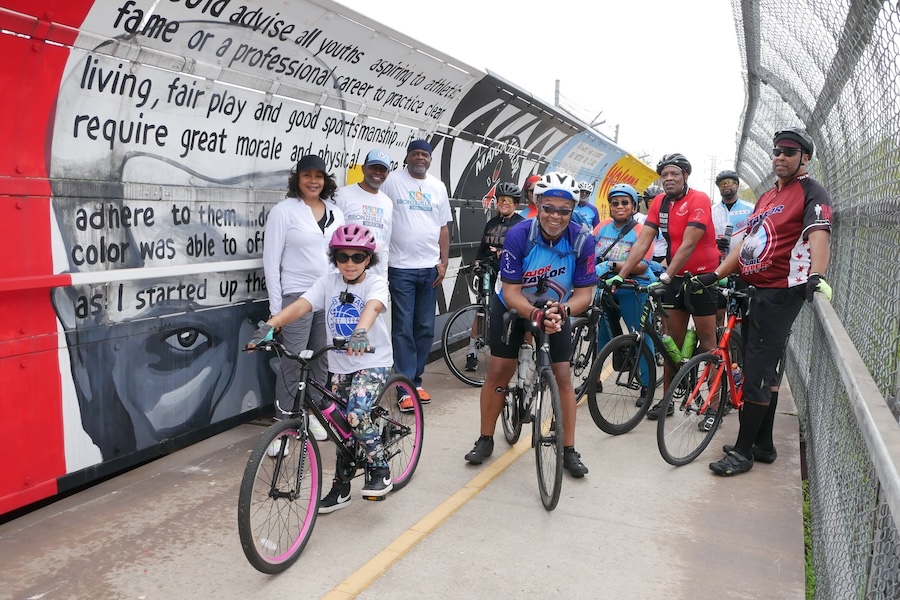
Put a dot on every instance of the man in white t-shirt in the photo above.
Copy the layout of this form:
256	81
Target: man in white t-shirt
417	262
364	204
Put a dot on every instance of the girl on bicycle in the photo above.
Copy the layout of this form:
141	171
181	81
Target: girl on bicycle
352	300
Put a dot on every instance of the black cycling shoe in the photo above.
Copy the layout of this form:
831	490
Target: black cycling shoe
653	413
734	463
471	362
640	401
760	455
572	463
484	447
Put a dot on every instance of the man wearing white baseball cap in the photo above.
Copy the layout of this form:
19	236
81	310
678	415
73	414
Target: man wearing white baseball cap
364	204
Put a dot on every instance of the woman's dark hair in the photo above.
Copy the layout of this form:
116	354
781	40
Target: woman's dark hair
328	189
373	257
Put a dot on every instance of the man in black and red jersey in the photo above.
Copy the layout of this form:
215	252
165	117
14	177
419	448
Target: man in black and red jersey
684	215
785	255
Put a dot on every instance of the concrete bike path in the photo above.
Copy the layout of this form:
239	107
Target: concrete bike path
633	528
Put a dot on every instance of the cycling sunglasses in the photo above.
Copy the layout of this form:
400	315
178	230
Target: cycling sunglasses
789	152
358	257
552	210
618	203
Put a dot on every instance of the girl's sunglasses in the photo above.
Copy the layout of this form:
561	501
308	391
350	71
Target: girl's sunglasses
357	258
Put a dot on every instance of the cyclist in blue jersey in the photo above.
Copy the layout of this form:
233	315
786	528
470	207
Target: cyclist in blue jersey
615	237
547	272
586	213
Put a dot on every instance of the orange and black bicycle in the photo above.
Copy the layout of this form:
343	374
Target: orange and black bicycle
712	390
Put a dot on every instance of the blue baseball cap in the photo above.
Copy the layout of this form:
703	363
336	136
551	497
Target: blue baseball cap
378	157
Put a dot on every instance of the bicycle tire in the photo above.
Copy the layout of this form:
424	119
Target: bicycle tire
510	417
401	432
547	439
278	500
584	351
455	343
613	404
679	436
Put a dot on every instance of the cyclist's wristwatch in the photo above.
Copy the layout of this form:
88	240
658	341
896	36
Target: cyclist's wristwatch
665	278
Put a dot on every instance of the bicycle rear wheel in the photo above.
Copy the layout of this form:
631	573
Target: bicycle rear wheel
681	436
616	382
401	432
510	417
279	498
548	439
455	341
584	350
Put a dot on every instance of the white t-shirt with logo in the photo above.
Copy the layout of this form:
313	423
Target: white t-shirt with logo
421	208
374	211
341	319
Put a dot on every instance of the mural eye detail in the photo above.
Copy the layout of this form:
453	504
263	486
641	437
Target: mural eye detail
187	339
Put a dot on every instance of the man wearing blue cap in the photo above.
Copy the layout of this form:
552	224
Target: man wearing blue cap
364	204
418	260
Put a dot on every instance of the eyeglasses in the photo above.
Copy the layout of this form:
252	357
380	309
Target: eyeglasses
552	210
789	152
727	182
505	200
618	203
357	258
584	193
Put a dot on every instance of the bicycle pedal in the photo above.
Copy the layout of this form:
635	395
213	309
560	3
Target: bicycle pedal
374	498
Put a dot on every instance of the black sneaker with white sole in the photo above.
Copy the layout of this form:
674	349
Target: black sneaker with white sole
471	362
708	420
336	499
378	482
653	413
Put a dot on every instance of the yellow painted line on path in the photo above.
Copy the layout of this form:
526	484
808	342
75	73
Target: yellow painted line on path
384	560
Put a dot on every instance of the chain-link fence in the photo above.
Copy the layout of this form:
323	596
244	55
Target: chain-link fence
833	68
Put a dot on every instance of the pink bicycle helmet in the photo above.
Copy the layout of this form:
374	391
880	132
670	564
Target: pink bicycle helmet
353	237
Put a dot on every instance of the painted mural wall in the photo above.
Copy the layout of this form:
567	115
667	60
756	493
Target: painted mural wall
144	143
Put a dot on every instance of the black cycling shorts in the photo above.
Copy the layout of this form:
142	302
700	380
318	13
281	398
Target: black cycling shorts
560	342
703	304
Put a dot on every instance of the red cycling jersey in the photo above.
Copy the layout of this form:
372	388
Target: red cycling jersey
775	252
674	217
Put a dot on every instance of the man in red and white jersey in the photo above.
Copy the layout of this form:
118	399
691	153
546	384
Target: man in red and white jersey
784	254
684	216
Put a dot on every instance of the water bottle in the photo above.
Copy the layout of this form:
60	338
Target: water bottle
671	347
689	345
737	375
526	364
333	415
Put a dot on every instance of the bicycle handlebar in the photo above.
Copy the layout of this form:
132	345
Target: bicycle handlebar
338	343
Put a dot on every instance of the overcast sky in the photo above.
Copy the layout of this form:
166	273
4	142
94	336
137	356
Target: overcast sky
668	73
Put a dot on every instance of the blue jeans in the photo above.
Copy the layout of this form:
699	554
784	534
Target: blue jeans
631	305
413	301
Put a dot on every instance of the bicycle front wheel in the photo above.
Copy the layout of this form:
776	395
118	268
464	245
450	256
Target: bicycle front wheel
510	417
401	431
548	439
584	349
624	371
466	361
683	435
279	497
